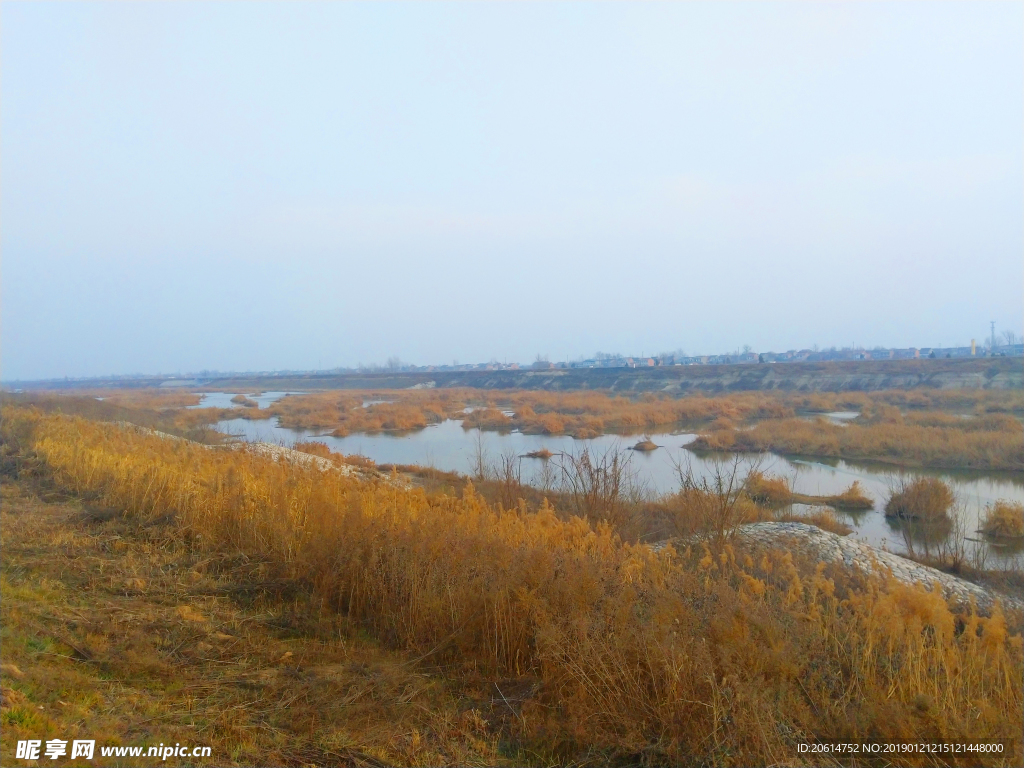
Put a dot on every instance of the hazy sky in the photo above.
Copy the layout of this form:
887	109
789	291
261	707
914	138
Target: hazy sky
264	186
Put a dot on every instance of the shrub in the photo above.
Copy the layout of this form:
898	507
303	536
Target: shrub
768	491
925	498
852	498
1004	518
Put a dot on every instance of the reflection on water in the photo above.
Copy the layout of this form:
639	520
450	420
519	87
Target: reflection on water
449	447
925	536
223	399
842	417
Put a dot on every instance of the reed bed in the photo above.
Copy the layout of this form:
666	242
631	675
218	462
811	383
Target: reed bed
712	654
992	443
975	429
773	492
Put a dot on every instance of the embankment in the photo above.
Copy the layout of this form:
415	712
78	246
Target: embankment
855	376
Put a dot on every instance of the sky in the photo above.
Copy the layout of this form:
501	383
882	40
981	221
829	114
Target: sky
262	186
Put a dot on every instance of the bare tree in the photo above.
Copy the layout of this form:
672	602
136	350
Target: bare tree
1011	338
479	458
953	548
600	486
546	480
508	474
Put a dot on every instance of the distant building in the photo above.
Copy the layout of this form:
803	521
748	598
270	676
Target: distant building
905	354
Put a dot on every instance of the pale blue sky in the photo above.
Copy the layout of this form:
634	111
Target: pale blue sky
265	186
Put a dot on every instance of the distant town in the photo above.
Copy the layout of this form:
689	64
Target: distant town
746	356
1006	345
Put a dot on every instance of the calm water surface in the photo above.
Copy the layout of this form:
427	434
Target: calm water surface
449	447
223	399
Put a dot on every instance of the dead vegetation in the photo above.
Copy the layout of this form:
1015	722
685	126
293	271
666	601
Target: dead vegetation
976	429
822	517
929	440
1004	519
775	492
602	651
122	633
927	499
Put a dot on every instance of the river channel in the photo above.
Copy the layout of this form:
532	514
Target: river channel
449	447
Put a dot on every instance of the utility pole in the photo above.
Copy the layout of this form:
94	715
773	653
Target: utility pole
993	324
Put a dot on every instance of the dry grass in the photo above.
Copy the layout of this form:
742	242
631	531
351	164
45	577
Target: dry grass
316	448
927	499
116	632
853	498
543	454
992	442
769	491
147	399
710	655
823	517
581	414
1004	519
774	492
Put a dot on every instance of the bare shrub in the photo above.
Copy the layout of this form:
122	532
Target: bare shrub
508	475
713	505
953	549
479	458
601	486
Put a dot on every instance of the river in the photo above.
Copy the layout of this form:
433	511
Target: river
449	447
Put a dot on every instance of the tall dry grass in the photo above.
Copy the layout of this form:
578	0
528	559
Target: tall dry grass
1004	519
927	499
993	442
581	414
711	655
